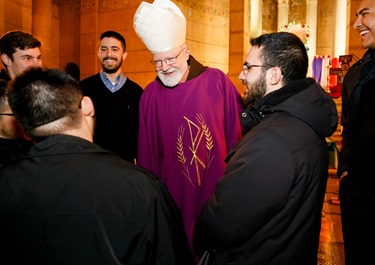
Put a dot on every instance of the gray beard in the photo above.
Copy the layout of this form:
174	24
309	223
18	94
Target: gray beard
173	80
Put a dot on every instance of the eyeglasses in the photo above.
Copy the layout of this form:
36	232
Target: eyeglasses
168	61
246	67
7	114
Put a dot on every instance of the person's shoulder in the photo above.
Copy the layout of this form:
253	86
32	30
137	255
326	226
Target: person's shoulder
133	84
89	79
87	83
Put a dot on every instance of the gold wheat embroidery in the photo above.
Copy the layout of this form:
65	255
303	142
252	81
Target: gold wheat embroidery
181	155
202	130
209	141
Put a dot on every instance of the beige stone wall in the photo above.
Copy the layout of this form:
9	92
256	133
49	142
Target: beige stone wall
325	28
269	16
68	13
217	31
297	11
15	14
207	31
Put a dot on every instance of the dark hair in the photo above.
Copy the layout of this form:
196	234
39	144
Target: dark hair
17	39
73	69
116	35
40	96
284	50
3	86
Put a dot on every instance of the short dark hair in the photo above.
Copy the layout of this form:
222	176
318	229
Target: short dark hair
73	69
284	50
113	34
3	86
17	39
41	96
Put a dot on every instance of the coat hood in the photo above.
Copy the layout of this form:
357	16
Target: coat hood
304	99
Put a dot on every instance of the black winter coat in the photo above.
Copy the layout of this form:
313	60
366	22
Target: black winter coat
70	202
267	207
358	122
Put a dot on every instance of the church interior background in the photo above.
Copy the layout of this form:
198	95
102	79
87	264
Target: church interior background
218	33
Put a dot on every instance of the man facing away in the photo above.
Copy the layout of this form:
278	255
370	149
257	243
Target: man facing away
116	99
266	209
189	115
70	201
19	51
356	159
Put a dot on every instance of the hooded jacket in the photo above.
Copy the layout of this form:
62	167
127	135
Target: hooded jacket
267	207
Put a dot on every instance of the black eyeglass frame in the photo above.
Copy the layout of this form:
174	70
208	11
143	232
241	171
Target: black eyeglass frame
246	66
7	114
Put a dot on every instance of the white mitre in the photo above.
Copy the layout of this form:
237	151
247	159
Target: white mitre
160	25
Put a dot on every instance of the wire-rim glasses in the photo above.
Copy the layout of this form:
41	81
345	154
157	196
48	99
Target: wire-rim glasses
168	61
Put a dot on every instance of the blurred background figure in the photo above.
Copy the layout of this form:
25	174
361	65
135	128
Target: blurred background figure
73	69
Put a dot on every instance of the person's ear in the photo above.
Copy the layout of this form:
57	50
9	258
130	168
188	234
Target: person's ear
87	106
276	75
5	58
187	53
124	55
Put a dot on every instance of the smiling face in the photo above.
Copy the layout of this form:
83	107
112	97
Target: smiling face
111	55
172	74
365	23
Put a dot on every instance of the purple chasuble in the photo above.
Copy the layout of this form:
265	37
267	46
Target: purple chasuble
185	133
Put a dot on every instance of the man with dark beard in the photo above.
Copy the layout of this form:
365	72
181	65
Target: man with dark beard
266	209
116	99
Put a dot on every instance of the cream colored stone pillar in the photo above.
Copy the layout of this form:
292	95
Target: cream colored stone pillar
282	13
42	28
239	39
256	18
340	28
312	22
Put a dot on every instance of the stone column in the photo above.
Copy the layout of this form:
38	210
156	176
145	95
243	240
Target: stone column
256	18
311	21
340	28
42	28
282	13
69	32
89	31
239	38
